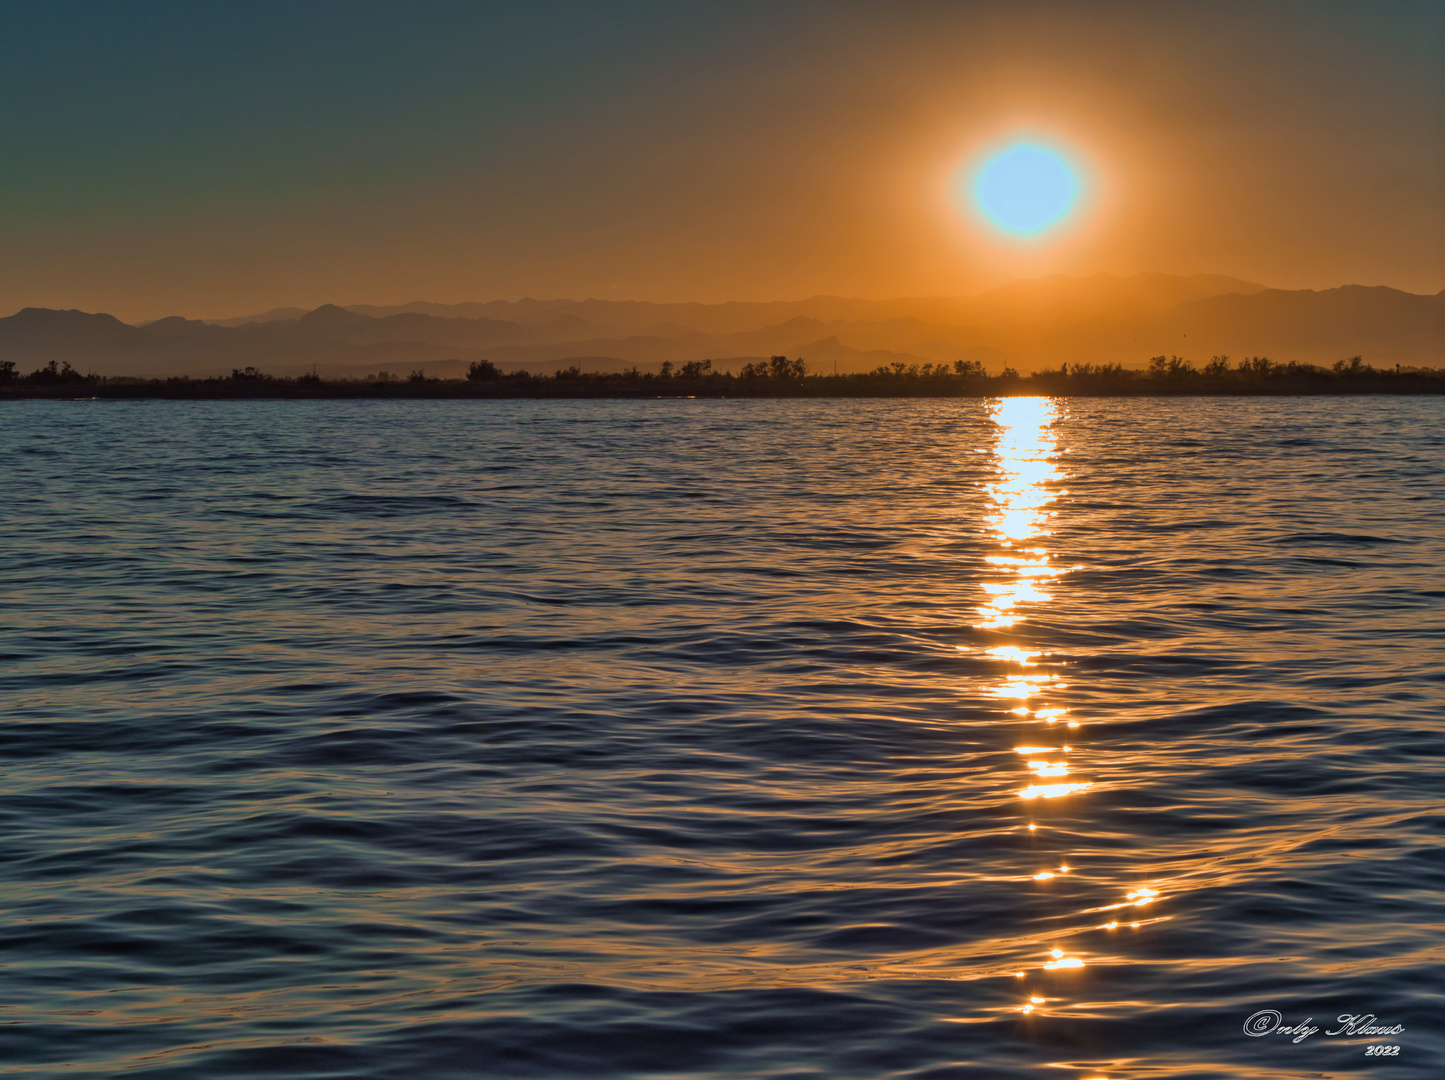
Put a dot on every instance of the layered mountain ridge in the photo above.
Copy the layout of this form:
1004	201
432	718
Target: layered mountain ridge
1026	325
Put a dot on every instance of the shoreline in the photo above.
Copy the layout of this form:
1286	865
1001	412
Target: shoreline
618	388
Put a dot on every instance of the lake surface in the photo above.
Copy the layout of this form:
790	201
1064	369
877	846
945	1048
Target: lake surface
719	739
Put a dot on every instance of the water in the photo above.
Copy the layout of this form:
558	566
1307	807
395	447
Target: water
679	739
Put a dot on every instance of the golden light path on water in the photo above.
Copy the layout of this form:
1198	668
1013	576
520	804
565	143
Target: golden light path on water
1029	481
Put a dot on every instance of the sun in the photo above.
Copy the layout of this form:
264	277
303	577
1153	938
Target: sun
1025	189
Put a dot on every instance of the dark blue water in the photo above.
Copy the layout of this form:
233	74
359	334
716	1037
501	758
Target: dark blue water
710	739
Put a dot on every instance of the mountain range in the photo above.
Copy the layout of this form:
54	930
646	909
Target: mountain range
1025	325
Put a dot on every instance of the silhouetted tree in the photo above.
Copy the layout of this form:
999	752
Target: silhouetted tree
696	369
1101	371
1169	367
7	371
483	371
1217	366
1354	367
249	374
417	376
49	375
971	368
780	367
666	372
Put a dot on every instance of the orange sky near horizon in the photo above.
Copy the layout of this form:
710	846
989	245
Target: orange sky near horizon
219	163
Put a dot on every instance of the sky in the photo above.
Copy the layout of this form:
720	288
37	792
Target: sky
214	160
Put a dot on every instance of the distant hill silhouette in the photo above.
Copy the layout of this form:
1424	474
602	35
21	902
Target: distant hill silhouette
331	317
44	327
1027	325
274	315
1385	324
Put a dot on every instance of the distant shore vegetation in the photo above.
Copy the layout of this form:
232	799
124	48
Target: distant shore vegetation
778	376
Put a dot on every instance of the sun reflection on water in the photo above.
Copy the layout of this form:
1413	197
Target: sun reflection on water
1025	457
1028	482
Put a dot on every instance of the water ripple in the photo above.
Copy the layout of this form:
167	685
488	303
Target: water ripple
760	739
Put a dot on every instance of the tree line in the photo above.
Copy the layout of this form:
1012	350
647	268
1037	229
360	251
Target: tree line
782	375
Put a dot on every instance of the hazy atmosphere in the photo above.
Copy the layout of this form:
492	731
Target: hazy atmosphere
214	162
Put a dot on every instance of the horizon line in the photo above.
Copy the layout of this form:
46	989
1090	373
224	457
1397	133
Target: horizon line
1255	286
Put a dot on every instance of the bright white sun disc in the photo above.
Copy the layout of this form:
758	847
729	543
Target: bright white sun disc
1025	188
